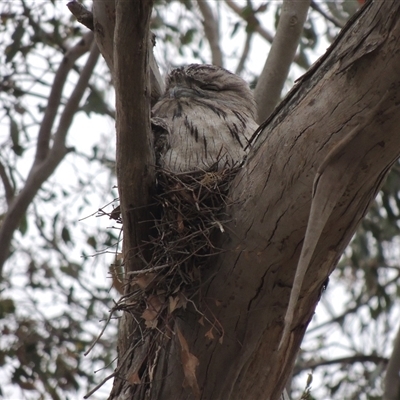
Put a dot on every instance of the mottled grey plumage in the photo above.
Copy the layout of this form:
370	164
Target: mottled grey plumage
206	115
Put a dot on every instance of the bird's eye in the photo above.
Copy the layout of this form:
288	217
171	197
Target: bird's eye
211	87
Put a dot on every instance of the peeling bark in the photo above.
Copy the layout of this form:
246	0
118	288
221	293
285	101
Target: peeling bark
248	287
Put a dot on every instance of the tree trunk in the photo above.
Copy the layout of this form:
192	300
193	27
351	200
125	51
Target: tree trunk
249	284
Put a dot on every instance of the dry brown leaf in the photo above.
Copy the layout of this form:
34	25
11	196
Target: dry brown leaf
150	314
116	281
177	289
155	303
151	324
173	304
209	334
182	300
150	317
143	281
140	358
201	321
134	379
218	303
189	363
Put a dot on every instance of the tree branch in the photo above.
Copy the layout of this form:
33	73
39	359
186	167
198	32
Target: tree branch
392	379
211	30
72	104
358	358
104	24
281	56
8	188
315	6
255	23
84	16
41	170
272	197
245	53
135	156
70	57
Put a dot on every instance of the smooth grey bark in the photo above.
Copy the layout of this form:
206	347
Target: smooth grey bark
249	285
211	31
104	25
283	50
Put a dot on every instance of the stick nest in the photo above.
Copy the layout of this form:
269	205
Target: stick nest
190	214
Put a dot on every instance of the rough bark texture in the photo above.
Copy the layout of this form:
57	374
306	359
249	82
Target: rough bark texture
247	288
135	156
104	25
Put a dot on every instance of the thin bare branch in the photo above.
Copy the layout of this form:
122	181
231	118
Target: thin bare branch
43	143
8	188
358	358
245	53
72	105
268	36
392	379
84	16
281	56
97	387
42	169
315	6
211	30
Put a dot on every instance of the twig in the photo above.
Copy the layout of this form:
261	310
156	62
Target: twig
358	358
97	387
146	271
334	21
100	334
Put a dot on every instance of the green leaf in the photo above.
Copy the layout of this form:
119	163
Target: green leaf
187	38
7	306
14	134
23	225
95	103
235	29
91	241
71	270
65	235
12	49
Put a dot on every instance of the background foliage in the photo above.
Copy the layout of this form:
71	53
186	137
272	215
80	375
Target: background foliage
56	285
